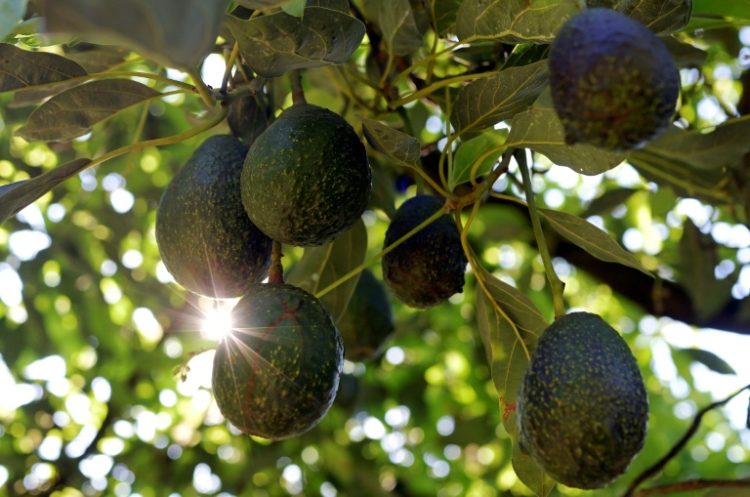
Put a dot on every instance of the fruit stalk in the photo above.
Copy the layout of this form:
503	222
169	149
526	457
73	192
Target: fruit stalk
556	286
276	271
298	95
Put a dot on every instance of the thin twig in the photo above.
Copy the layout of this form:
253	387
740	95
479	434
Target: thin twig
659	465
684	486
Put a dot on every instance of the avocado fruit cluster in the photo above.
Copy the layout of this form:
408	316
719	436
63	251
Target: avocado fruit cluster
367	322
613	83
276	374
582	408
204	236
306	177
428	267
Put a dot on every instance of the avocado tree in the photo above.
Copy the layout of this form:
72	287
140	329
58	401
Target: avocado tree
289	247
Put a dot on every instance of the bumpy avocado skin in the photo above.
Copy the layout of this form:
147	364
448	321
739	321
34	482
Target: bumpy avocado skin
368	321
582	408
614	84
276	375
429	267
306	177
204	235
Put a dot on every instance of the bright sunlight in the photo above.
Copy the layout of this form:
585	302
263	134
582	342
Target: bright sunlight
217	323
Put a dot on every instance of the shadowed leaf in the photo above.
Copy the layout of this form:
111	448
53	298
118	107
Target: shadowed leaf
73	112
179	32
487	101
23	68
539	129
321	266
399	28
278	43
16	196
590	238
514	21
608	201
662	16
708	359
530	473
391	142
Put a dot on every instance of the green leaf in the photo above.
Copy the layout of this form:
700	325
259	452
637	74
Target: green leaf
321	266
179	32
11	11
261	4
393	143
698	259
277	43
590	238
509	325
74	111
16	196
400	32
99	58
488	146
514	21
708	359
530	473
24	69
539	129
722	147
662	16
295	8
739	9
608	201
492	99
445	14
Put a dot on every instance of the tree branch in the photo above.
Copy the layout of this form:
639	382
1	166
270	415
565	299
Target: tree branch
684	486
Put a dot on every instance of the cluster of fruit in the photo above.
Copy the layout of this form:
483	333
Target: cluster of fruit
302	181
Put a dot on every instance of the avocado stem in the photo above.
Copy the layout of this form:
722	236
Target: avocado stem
298	94
556	286
276	272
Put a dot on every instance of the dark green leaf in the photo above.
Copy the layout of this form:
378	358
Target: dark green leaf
99	58
539	129
514	21
608	201
11	11
591	239
339	5
698	259
492	99
321	266
399	28
486	147
393	143
530	473
74	111
724	146
683	53
445	14
23	69
261	4
708	359
179	32
277	43
509	325
16	196
659	15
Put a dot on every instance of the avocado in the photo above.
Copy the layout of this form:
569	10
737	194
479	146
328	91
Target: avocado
368	320
429	267
275	375
306	177
205	238
582	408
614	84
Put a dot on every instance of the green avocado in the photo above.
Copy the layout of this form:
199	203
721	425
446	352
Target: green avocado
429	267
582	408
306	177
368	320
613	82
204	235
276	374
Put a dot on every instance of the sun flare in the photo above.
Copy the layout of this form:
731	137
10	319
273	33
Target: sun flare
216	324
